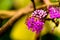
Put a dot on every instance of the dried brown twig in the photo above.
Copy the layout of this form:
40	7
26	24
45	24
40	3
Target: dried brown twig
9	13
17	14
6	14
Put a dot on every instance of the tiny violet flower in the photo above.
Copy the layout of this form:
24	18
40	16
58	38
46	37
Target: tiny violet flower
54	12
39	13
35	23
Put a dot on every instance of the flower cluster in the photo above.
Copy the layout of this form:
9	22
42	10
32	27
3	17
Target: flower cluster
54	12
39	13
36	21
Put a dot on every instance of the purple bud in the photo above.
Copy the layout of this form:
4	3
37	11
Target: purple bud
35	24
39	13
54	12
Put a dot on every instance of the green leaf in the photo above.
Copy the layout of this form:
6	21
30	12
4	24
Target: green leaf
54	0
20	31
49	36
5	4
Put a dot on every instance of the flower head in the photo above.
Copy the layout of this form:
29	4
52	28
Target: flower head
54	12
35	23
39	13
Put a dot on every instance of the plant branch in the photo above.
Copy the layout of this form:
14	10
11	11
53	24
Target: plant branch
6	13
9	13
17	14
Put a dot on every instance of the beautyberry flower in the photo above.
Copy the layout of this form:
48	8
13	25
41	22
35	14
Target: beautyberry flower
35	23
39	13
54	12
